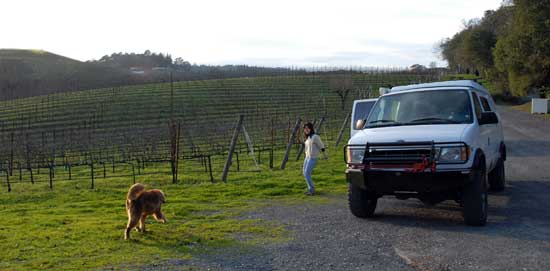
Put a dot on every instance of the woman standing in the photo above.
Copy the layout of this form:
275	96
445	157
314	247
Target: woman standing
313	147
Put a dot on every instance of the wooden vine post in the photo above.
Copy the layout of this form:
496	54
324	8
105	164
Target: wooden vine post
290	142
341	133
232	148
8	180
51	175
92	172
174	155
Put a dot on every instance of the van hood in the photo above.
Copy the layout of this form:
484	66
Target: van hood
410	133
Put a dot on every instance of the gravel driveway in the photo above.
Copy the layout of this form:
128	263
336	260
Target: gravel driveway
407	235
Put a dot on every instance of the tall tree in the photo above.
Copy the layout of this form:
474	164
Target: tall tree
524	53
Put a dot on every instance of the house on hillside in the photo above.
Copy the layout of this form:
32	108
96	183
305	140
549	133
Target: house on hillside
417	68
137	70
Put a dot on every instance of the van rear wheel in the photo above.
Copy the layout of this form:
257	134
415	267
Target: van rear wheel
497	177
361	203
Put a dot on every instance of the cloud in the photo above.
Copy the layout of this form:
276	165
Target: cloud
282	32
365	53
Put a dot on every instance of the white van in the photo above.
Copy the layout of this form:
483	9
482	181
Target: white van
435	142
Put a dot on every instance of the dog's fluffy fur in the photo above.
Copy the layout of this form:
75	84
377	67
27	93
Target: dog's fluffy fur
140	204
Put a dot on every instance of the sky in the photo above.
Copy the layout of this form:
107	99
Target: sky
390	33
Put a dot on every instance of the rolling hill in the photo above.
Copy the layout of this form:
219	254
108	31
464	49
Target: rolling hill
25	73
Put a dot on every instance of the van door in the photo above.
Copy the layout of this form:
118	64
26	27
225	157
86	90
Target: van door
360	111
494	129
484	134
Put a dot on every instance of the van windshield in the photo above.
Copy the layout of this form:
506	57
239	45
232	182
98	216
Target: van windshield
422	107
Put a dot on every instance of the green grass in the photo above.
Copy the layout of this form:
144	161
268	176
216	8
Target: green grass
74	227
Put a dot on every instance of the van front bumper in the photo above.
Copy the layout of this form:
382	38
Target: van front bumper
387	182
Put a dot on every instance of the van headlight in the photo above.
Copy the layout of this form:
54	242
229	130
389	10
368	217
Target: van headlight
355	155
452	154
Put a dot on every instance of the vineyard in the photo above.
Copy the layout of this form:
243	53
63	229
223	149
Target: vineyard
185	129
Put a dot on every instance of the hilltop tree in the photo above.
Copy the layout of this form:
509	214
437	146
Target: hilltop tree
146	60
181	64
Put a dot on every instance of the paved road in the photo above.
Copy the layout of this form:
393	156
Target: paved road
406	235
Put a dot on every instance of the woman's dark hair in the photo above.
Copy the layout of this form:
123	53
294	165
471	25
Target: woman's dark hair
311	130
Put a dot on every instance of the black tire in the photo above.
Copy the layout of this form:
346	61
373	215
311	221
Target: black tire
361	202
474	198
497	177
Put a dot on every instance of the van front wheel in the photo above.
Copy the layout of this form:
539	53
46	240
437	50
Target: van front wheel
474	198
361	202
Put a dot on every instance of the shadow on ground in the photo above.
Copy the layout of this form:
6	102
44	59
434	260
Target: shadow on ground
520	211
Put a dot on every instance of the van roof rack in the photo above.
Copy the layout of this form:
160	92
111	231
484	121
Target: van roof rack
455	83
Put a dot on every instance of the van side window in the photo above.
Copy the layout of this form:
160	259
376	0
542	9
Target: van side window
485	104
477	106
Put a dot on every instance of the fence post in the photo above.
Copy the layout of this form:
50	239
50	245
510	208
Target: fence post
133	173
272	144
238	161
70	171
210	169
271	158
290	141
202	159
348	116
30	172
232	148
174	140
8	180
51	176
288	131
92	171
259	155
10	163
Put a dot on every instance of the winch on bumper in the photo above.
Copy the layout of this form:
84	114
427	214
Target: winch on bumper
422	167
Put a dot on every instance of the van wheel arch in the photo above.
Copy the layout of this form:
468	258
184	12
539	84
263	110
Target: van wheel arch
497	177
479	157
479	162
503	151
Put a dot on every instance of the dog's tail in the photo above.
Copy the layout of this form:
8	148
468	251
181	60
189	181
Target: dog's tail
133	192
162	198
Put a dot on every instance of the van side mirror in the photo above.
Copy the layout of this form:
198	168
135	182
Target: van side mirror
488	118
359	124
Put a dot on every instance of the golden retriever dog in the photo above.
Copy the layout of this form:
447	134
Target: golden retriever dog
140	204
